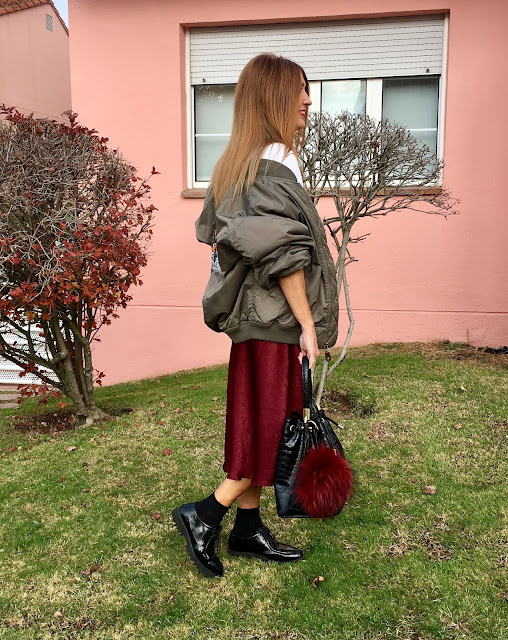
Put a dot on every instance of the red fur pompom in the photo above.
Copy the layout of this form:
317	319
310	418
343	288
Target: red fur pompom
324	482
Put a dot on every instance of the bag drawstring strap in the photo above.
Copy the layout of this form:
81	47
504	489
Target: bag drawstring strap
307	389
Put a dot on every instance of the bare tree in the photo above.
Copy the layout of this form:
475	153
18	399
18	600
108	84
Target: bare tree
369	168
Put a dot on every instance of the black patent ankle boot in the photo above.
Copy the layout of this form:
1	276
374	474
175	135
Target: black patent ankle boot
201	540
264	546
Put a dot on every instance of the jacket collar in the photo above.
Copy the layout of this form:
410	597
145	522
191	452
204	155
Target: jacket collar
275	169
204	224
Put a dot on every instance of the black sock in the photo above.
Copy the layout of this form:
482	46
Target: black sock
247	522
211	511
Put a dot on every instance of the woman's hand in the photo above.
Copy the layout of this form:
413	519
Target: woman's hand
308	345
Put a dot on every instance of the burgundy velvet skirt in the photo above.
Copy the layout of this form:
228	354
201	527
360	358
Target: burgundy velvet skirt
264	387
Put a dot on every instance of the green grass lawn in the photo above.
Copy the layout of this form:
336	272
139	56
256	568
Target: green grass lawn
88	548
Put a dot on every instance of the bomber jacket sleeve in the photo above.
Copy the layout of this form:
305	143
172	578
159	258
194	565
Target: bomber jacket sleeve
268	233
204	224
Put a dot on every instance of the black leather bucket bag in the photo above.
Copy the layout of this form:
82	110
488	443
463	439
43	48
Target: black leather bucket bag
312	476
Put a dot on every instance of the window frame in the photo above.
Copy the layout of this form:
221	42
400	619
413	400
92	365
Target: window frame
373	107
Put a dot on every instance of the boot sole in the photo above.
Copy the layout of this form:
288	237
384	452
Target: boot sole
182	529
249	554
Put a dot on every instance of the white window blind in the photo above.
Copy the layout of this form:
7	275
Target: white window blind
332	50
339	95
413	102
213	121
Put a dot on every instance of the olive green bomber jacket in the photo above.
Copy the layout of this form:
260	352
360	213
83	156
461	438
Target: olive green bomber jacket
270	230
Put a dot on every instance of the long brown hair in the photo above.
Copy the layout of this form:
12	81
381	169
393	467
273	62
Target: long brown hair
266	100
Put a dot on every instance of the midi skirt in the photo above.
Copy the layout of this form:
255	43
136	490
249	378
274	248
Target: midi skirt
264	387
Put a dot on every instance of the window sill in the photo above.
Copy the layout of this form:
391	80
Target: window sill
193	193
200	193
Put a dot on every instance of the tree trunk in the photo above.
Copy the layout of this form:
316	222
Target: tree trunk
87	412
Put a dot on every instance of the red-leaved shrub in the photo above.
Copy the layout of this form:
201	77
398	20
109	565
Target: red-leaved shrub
74	229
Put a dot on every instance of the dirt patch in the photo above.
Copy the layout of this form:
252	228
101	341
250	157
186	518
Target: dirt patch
349	401
397	548
404	542
338	400
48	422
379	431
435	550
491	356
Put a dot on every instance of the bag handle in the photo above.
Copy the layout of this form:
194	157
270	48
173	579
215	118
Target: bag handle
307	389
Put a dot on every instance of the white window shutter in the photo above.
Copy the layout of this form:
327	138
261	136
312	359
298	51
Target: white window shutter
368	48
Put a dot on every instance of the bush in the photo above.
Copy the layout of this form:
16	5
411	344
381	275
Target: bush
74	229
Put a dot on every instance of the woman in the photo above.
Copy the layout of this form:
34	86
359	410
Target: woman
272	290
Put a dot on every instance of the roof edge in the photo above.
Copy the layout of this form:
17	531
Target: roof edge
6	7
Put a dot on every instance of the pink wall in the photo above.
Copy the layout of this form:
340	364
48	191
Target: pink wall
35	67
418	277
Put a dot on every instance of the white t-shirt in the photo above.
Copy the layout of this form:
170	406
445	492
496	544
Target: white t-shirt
275	151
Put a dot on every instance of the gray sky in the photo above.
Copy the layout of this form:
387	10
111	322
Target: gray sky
62	5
